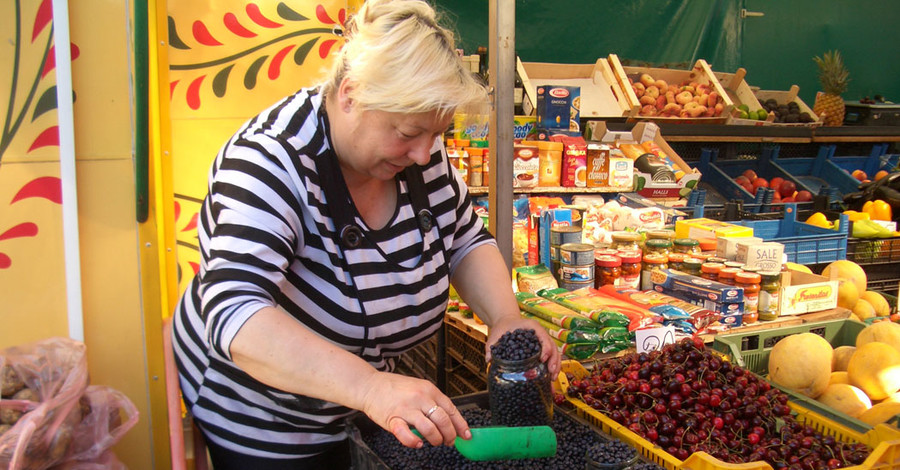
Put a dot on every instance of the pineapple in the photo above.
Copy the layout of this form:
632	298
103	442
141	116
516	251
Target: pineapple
834	77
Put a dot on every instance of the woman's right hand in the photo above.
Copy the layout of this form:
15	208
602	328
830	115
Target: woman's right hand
397	403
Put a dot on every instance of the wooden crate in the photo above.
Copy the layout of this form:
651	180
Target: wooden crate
787	97
740	93
601	94
700	73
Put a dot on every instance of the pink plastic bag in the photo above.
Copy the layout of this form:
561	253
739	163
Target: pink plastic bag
59	418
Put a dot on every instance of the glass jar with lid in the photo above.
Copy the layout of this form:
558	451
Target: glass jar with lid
609	270
676	259
660	246
652	262
726	275
691	266
750	283
710	270
520	392
686	245
625	241
631	269
769	295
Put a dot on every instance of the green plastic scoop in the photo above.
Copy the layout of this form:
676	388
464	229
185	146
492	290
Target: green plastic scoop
507	443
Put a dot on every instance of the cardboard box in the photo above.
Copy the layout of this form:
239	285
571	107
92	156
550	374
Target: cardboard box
601	95
708	228
766	256
635	200
727	301
804	293
686	177
726	247
558	107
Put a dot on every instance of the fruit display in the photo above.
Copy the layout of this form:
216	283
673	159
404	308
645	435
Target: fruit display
859	380
783	190
686	399
833	76
852	291
573	437
788	112
688	99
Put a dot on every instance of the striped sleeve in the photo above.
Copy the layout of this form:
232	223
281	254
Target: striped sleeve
256	230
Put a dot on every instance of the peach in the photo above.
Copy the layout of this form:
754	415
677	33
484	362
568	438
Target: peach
661	84
697	111
684	97
670	97
647	80
688	88
713	98
647	99
661	102
704	99
648	110
672	108
652	91
638	88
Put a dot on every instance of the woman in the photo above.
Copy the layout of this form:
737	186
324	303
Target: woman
332	229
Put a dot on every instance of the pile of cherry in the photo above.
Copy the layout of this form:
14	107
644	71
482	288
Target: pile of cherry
686	399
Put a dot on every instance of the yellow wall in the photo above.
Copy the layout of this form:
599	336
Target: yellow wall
128	269
33	283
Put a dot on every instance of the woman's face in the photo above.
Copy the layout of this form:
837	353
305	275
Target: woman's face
383	144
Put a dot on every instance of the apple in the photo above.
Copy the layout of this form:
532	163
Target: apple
788	199
761	183
748	187
804	196
860	175
741	179
750	175
787	188
776	197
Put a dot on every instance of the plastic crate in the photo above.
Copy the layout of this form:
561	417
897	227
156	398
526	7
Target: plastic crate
751	351
878	159
720	174
465	349
461	380
360	426
883	439
827	172
803	243
420	361
865	251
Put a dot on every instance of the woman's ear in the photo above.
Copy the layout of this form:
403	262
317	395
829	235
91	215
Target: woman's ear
345	102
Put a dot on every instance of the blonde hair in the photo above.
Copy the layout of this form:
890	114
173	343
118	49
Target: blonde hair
399	59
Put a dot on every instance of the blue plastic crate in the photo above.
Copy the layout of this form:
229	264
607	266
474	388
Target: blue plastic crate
720	174
827	173
803	243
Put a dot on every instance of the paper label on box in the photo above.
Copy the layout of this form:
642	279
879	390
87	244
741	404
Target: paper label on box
766	256
650	131
653	339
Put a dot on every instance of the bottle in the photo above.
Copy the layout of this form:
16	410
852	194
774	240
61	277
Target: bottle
476	166
519	392
710	270
676	260
483	67
688	246
726	275
625	241
518	93
660	246
691	266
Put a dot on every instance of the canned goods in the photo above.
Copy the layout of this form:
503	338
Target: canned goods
563	234
577	273
576	254
554	252
572	285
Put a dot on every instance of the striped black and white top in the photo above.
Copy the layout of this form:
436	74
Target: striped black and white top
267	238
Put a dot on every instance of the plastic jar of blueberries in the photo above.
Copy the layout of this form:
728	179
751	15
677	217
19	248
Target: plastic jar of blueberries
519	392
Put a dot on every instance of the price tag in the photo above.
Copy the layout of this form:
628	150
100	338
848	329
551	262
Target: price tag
651	339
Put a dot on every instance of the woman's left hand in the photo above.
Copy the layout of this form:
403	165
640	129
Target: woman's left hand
549	351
